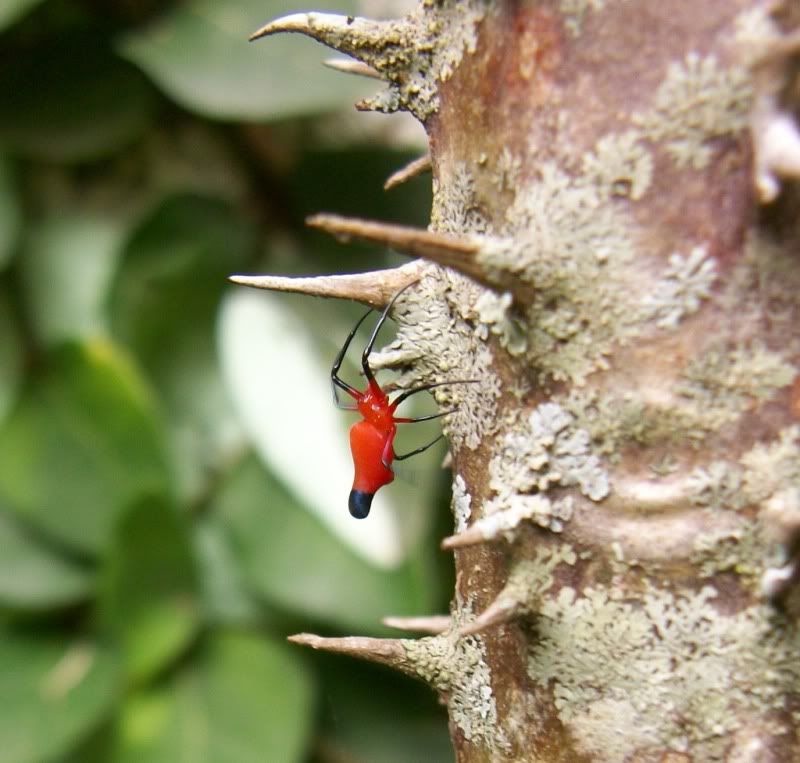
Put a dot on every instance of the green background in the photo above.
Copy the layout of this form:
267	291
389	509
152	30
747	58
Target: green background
155	551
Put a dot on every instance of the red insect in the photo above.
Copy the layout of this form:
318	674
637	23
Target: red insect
372	438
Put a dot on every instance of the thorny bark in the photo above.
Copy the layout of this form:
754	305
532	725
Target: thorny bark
613	254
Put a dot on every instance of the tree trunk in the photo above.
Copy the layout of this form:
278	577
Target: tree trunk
612	256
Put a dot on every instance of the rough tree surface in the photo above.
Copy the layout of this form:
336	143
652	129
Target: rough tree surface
613	252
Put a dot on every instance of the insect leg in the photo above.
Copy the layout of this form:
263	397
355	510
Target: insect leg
418	450
368	349
337	364
425	418
388	452
425	387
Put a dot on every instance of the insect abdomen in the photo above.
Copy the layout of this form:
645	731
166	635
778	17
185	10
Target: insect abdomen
368	445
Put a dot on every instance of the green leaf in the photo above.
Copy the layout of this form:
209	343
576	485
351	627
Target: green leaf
82	444
164	305
148	601
293	560
10	213
225	597
198	54
34	575
71	99
243	699
67	265
53	692
11	357
11	10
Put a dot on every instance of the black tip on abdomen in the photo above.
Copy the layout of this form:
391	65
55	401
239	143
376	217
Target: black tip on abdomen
360	503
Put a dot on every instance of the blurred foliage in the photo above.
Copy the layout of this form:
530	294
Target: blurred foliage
156	542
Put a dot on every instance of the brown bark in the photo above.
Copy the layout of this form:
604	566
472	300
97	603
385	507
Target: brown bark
627	475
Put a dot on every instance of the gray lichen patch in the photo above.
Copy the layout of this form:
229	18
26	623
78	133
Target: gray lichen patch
545	451
568	238
766	476
441	33
495	316
772	467
620	165
722	382
457	667
761	472
435	343
548	450
714	390
575	10
565	239
685	283
619	419
698	100
529	579
740	548
506	513
670	669
717	485
455	205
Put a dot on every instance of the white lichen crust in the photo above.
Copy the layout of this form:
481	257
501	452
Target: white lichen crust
713	390
686	282
565	237
672	671
456	667
462	509
544	453
699	100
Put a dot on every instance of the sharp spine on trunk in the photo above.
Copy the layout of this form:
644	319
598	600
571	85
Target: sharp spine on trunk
433	624
373	288
346	66
411	170
384	651
444	249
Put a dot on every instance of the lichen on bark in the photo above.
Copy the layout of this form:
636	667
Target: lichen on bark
626	488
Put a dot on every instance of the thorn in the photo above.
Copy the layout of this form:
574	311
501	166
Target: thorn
363	39
384	651
783	47
776	580
347	66
503	609
411	170
777	144
443	249
775	133
374	288
472	536
321	26
504	523
522	593
435	624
